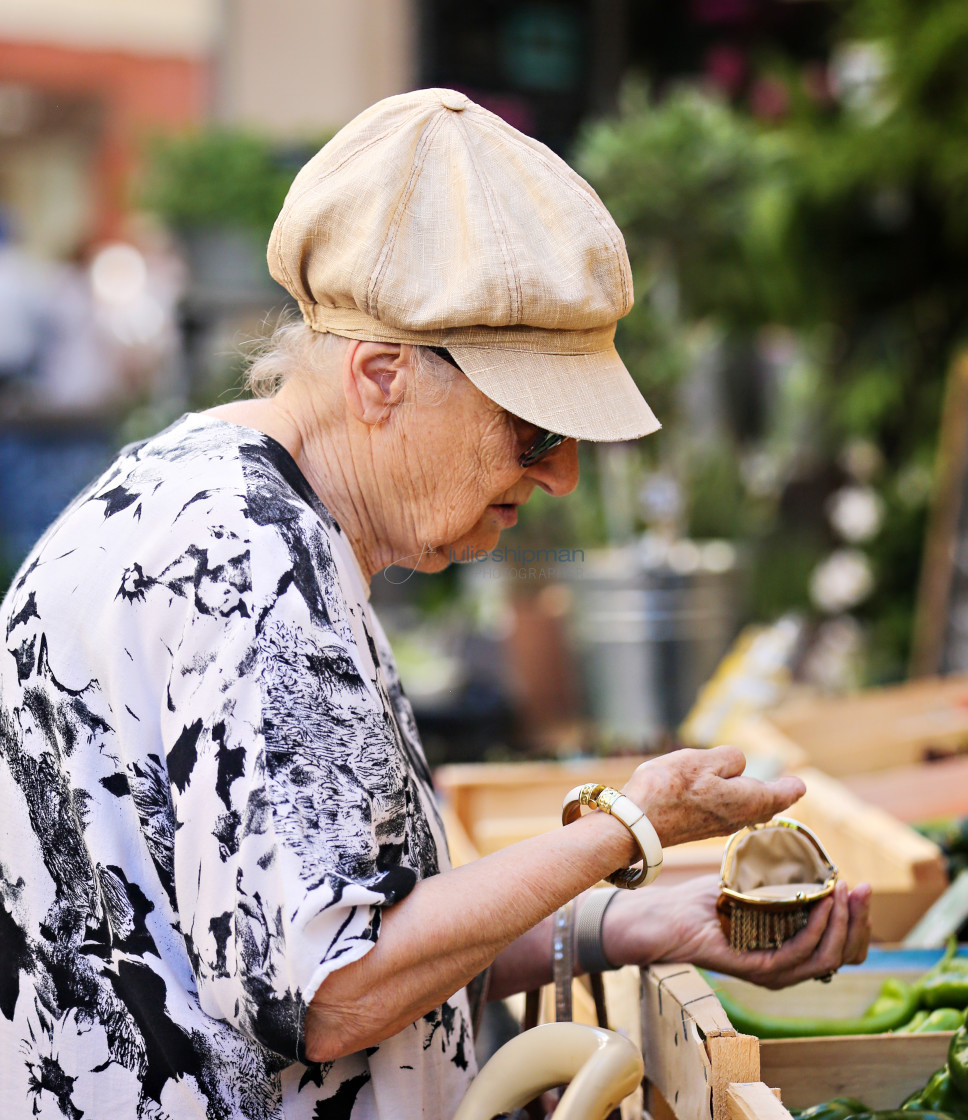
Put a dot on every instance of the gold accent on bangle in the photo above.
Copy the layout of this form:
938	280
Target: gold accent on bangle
594	795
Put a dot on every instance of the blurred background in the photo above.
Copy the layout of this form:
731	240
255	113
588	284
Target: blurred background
791	178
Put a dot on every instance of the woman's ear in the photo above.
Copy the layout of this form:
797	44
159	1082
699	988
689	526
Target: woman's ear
374	379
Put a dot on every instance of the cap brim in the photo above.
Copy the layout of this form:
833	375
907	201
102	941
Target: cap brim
584	396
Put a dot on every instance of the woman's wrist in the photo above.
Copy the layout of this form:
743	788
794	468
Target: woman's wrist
637	927
606	799
612	839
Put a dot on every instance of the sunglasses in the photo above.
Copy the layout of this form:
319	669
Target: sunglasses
543	443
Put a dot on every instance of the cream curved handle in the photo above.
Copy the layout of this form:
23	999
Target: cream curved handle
599	1067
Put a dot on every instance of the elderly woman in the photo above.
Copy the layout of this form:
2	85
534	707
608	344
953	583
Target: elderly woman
225	886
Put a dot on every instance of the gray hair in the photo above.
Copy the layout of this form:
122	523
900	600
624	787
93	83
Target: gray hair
293	346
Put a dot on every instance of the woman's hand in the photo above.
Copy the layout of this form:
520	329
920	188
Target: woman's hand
680	923
693	794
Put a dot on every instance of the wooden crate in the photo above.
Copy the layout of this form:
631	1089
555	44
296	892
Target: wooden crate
498	804
486	807
924	791
872	730
694	1056
867	844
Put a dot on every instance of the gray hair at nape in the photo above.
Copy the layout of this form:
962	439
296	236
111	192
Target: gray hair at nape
294	347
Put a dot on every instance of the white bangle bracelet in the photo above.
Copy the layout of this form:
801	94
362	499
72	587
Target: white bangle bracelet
623	809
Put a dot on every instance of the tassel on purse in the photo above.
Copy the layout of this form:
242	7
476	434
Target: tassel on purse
772	874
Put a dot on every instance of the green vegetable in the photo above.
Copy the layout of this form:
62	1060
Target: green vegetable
941	1094
837	1109
944	1097
913	1023
944	1019
905	1114
938	1083
938	1095
946	1089
958	1061
944	989
895	1005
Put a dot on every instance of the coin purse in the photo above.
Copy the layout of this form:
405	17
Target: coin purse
772	875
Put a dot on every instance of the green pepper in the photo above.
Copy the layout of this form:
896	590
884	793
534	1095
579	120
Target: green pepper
928	1095
837	1109
913	1023
958	1061
944	1091
905	1114
950	962
943	1019
944	989
891	991
939	1095
895	1005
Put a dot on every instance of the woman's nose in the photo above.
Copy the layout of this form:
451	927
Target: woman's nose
557	472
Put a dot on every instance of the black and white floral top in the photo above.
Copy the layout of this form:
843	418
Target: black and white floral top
211	783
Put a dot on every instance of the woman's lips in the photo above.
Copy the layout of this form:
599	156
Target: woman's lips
506	514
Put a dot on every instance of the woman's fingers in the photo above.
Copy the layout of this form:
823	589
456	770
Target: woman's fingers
842	920
786	791
797	958
726	761
751	801
692	794
834	940
859	931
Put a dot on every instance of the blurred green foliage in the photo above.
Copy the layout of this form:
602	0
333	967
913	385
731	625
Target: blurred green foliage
218	177
845	221
688	180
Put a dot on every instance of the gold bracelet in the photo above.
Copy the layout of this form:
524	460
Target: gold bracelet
623	809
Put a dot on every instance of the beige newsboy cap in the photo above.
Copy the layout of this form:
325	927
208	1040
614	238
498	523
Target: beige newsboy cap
429	220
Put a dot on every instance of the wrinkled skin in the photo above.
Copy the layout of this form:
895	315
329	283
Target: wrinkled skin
837	933
695	794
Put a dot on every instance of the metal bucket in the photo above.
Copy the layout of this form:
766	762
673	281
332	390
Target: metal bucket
650	627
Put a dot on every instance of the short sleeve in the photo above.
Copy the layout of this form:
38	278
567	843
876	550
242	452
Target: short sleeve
296	815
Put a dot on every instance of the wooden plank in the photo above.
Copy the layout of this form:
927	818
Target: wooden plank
485	790
683	987
656	1104
491	834
693	1067
754	1101
865	842
734	1058
894	913
937	578
582	1004
921	792
623	1001
877	728
676	1063
880	1070
944	919
680	1014
462	848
